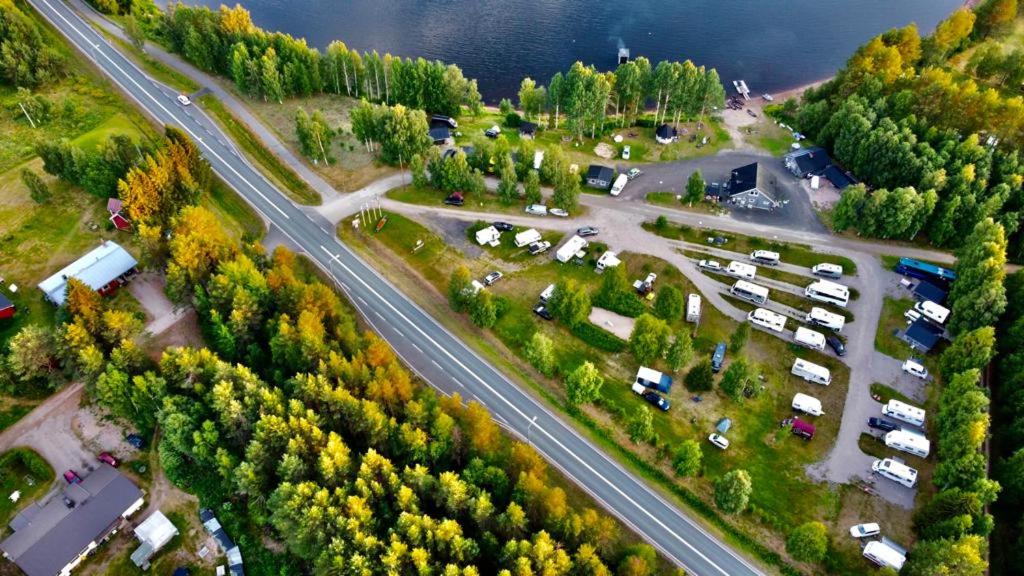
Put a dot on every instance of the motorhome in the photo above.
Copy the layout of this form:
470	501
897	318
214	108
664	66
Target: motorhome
527	237
932	311
547	292
752	292
807	404
811	372
693	308
767	319
809	338
895	471
619	185
909	442
826	270
741	270
571	248
653	379
830	292
884	555
765	257
905	412
825	319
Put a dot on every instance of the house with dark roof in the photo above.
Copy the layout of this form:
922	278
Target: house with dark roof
928	291
527	129
104	269
231	551
748	188
838	178
441	135
599	176
7	308
666	134
54	536
807	162
923	335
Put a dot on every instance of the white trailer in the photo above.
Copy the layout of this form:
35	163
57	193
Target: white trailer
767	319
607	260
527	237
895	471
905	412
811	372
909	442
741	270
619	185
765	257
571	248
547	292
693	308
807	404
932	311
830	292
884	555
489	235
825	319
809	338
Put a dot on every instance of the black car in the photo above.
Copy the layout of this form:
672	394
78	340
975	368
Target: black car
503	226
542	311
656	400
836	344
586	231
455	199
882	424
135	440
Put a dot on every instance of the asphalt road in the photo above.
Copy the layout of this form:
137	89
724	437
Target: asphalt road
435	354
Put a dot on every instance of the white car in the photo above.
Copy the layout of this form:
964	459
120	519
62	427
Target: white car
865	530
537	209
914	368
493	277
710	265
719	441
625	152
558	212
183	100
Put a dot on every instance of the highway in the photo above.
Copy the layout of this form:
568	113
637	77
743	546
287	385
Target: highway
432	352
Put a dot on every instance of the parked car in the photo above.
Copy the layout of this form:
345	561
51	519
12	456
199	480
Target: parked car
108	458
865	530
625	152
542	311
718	240
537	210
493	131
656	400
882	424
558	212
135	440
913	367
710	265
183	100
539	247
633	173
455	199
492	277
836	345
503	226
72	477
719	441
586	231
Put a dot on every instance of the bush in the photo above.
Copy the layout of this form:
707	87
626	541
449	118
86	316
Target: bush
687	458
732	491
598	337
624	303
700	378
808	542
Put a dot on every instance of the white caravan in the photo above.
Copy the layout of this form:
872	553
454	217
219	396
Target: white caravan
895	471
825	319
767	319
693	308
884	555
909	442
741	270
807	404
809	338
811	372
765	257
905	412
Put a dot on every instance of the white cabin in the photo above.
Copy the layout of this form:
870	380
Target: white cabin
811	372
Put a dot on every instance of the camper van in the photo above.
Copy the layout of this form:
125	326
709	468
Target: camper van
619	185
807	404
741	270
809	338
909	442
825	319
811	372
767	319
765	257
547	293
884	555
693	308
570	249
527	237
895	471
905	412
747	291
825	270
829	292
932	311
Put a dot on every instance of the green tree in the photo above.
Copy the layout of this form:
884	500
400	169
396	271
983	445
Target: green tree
962	557
735	379
33	354
569	302
134	31
700	378
531	98
566	191
460	289
649	338
419	171
315	136
686	460
483	310
680	352
847	211
972	350
532	188
641	425
978	297
695	188
733	490
540	353
583	385
505	107
37	189
668	305
508	188
808	542
738	339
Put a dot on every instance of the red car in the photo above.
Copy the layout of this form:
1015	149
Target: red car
72	477
108	458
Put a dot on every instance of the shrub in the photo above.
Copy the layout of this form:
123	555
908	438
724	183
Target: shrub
598	337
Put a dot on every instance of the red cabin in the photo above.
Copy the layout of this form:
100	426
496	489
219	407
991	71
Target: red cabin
7	308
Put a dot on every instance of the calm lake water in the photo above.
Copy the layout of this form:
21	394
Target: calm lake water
772	44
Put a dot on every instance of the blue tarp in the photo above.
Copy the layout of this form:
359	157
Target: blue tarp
723	425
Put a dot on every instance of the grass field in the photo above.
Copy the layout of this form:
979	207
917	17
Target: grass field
890	321
25	471
487	202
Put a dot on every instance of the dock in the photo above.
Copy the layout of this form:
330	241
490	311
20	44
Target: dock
741	88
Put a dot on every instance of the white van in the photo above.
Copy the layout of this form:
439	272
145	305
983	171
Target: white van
895	471
914	368
932	311
693	308
825	319
741	270
909	442
811	372
619	185
765	257
537	210
833	271
547	293
767	319
807	404
905	412
809	338
884	555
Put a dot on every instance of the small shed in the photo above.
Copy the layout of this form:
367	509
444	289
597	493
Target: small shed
154	533
114	205
607	260
527	129
599	176
7	308
723	425
489	236
120	222
666	134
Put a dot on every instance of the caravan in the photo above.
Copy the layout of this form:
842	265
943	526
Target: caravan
571	248
527	237
747	291
811	372
807	404
693	308
905	412
547	292
830	292
909	442
809	338
933	312
895	471
825	319
765	257
884	555
741	270
767	319
833	271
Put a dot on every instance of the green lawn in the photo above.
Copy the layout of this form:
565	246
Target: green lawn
488	202
892	320
11	414
886	393
22	470
236	215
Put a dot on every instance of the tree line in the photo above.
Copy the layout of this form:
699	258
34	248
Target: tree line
26	57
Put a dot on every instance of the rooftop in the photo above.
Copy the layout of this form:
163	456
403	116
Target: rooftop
96	269
598	171
746	178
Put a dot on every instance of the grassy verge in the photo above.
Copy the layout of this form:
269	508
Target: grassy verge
234	212
889	323
21	469
295	187
886	393
10	415
670	200
790	253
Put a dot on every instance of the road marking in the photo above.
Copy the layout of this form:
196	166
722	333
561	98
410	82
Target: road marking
379	316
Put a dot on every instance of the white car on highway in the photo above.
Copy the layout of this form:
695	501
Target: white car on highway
183	100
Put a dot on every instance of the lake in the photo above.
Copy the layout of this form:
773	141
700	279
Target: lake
772	44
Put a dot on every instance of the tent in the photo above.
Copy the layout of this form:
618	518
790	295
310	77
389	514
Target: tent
723	425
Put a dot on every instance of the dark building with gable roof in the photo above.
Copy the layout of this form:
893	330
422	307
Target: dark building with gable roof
748	188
